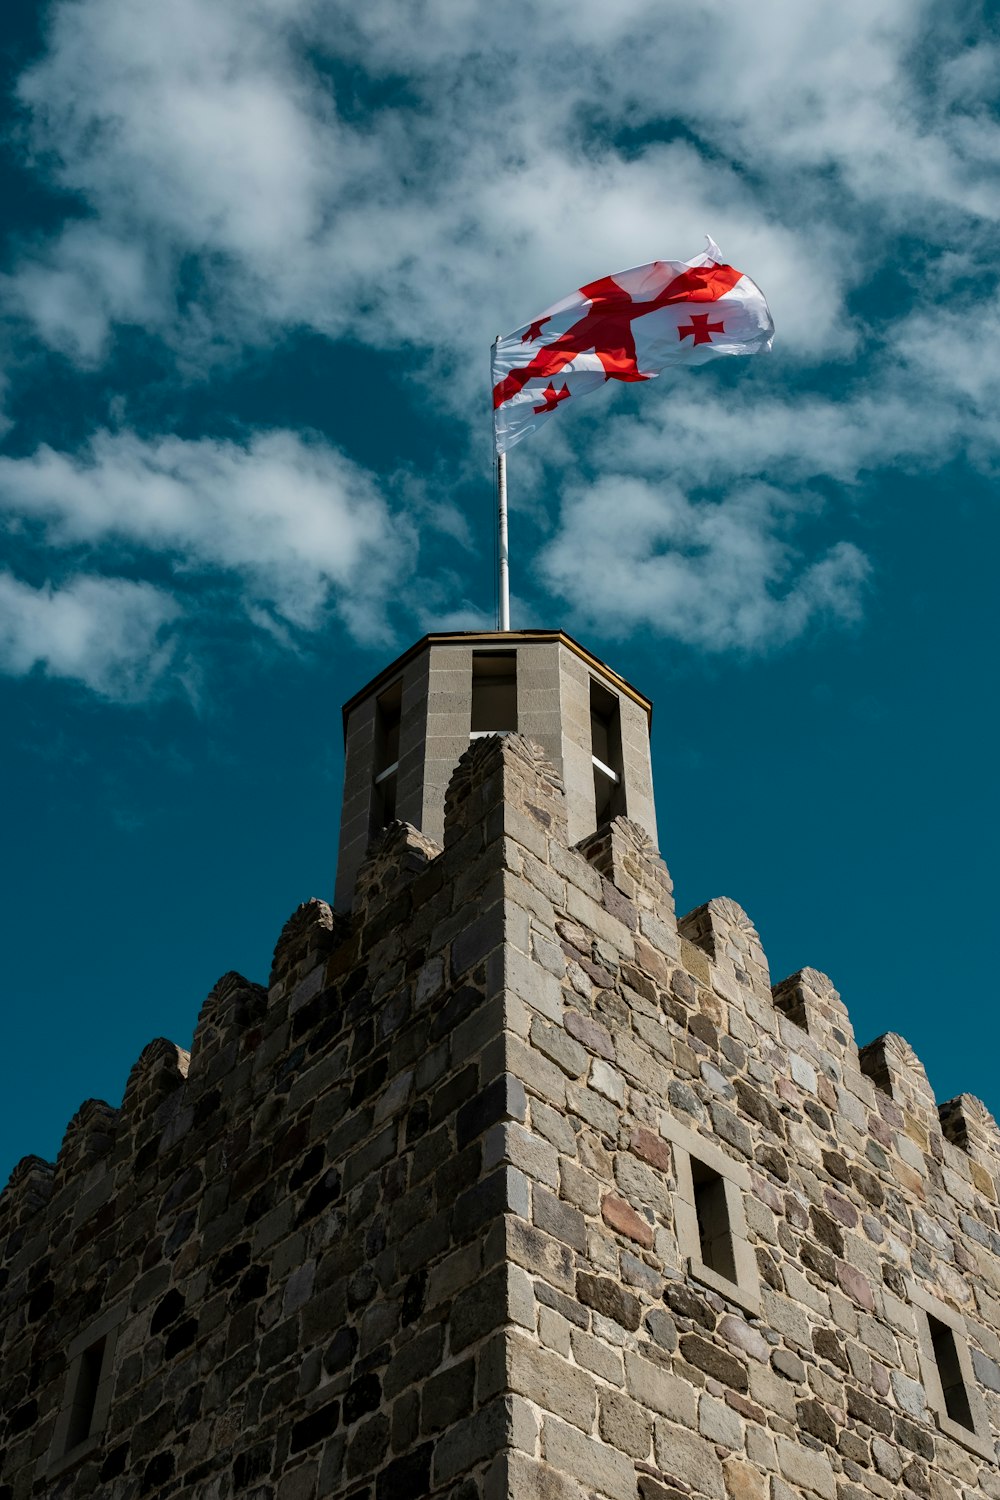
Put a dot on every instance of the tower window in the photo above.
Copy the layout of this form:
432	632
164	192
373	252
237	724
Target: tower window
606	753
954	1400
388	712
715	1235
86	1402
494	692
709	1217
956	1397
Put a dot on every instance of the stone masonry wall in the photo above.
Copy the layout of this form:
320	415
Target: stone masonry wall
418	1220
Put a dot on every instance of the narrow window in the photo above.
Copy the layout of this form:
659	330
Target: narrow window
715	1235
606	752
494	692
956	1397
388	710
84	1400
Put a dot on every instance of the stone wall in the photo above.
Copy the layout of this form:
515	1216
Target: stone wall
423	1218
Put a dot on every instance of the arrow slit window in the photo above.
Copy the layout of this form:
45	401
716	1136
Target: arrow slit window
388	711
709	1217
949	1377
956	1397
606	754
715	1237
494	692
86	1403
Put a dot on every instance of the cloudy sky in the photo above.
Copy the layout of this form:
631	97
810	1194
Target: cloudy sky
253	256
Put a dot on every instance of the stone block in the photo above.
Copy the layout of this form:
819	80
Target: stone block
607	1297
515	1362
560	1220
622	1217
519	1477
585	1459
690	1458
625	1425
540	1254
607	1081
593	1354
714	1361
719	1422
656	1389
744	1481
513	1145
807	1468
554	1043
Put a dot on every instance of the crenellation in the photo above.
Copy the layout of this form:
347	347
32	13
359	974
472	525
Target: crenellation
88	1137
809	1000
893	1066
967	1124
312	932
28	1190
159	1071
722	929
624	854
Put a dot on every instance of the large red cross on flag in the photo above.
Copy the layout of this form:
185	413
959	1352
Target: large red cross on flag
629	326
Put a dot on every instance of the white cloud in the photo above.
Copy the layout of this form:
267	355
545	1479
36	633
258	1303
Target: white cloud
421	186
954	352
719	438
492	175
631	555
110	634
303	530
74	289
476	192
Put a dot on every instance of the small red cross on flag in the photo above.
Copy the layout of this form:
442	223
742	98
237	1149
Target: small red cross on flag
701	328
553	397
629	326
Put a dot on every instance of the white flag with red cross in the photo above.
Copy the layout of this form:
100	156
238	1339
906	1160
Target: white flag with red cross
629	326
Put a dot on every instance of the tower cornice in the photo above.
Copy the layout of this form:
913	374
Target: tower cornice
483	640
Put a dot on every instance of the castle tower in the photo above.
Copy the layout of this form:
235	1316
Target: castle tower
405	732
510	1185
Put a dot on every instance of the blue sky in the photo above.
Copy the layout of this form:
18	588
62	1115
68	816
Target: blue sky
253	258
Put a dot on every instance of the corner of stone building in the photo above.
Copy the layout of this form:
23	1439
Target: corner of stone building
417	1219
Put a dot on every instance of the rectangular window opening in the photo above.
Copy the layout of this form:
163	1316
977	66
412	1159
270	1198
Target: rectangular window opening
956	1397
494	692
606	753
715	1234
388	712
88	1378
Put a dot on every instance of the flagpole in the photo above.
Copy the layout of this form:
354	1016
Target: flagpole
503	565
502	561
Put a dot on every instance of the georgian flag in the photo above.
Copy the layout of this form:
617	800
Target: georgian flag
629	326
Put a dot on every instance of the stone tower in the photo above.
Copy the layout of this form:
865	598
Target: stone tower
511	1185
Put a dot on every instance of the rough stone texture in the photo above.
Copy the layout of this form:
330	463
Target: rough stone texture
388	1232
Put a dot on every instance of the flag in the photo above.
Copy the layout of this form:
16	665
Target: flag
629	326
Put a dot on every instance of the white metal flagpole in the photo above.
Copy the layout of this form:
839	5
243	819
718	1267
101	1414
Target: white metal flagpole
503	566
502	562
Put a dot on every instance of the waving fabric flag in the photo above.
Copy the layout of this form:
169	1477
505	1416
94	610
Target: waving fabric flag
629	326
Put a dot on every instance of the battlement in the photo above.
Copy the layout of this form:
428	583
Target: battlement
513	1184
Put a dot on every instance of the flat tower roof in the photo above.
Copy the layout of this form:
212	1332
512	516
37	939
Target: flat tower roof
499	639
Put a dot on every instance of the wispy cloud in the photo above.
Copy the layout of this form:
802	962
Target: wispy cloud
110	634
305	531
722	575
245	170
214	131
